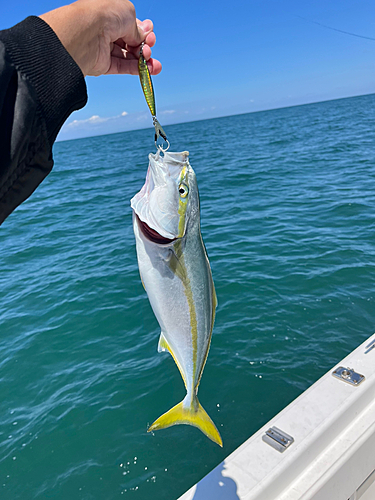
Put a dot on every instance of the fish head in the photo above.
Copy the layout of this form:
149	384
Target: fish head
169	197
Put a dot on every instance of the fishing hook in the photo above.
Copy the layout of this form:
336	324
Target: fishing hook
160	147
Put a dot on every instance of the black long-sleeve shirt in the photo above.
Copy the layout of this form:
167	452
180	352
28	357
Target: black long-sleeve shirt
40	86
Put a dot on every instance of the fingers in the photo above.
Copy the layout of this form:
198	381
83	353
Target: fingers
154	66
150	39
140	30
126	64
144	28
121	53
119	49
149	42
126	51
136	51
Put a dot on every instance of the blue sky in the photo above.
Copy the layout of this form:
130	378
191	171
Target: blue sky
223	58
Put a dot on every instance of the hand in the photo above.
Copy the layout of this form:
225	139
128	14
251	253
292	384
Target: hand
104	36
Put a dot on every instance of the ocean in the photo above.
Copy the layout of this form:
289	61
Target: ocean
288	219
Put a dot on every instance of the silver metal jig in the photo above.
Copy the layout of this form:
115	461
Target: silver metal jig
149	94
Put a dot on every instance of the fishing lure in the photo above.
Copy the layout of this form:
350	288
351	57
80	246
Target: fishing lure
148	90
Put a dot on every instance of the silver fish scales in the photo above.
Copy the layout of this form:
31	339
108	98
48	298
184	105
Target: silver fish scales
176	274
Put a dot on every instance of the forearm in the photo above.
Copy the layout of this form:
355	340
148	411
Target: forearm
43	62
40	86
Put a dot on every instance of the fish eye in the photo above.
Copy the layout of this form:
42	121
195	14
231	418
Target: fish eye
183	190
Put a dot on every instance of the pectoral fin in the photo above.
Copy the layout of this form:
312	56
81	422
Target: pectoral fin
163	344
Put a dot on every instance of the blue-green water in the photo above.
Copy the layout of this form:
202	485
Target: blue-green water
288	218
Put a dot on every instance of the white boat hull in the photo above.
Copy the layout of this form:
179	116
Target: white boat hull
333	453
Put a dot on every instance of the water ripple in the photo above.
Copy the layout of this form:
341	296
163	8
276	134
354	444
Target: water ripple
288	222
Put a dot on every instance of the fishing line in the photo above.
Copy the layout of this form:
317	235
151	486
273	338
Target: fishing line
336	29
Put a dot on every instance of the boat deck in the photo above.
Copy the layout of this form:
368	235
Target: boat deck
332	451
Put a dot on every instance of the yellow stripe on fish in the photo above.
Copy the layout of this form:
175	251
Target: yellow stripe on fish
177	265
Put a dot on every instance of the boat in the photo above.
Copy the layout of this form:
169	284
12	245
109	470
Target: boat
319	447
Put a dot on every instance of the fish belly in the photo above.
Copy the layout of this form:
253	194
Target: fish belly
180	290
165	292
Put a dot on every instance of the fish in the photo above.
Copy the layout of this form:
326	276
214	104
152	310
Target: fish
176	274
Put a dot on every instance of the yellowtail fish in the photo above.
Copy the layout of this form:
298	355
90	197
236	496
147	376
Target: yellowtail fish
148	90
176	274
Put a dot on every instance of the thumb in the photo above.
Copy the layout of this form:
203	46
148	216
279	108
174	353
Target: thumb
142	29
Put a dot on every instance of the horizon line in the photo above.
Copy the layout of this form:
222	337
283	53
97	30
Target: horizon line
217	117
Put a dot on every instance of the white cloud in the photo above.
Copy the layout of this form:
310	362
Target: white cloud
168	112
93	120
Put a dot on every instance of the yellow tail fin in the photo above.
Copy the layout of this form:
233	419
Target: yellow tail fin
191	414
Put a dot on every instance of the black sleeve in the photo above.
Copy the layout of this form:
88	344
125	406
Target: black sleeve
40	86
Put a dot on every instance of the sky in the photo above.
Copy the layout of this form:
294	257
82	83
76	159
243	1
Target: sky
224	58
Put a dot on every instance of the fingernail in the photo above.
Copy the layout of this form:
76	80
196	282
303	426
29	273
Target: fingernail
146	26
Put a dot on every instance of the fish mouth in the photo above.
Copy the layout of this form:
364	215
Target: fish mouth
153	235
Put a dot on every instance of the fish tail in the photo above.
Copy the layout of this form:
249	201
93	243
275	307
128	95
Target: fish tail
190	413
